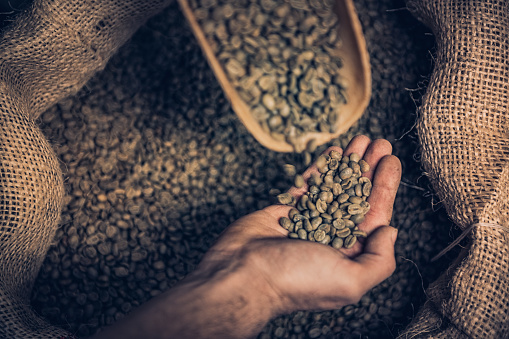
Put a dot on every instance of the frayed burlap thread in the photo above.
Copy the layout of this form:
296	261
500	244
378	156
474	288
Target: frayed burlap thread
463	129
48	53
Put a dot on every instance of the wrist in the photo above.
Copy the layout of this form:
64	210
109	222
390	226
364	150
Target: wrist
227	303
240	296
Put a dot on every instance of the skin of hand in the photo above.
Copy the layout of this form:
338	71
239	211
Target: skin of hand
254	272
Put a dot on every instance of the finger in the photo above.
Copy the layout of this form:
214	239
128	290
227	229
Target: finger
263	223
298	192
374	153
377	261
359	144
385	186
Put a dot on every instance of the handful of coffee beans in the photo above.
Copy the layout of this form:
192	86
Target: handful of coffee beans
334	205
281	58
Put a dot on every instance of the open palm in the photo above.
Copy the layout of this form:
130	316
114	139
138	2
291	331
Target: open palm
307	275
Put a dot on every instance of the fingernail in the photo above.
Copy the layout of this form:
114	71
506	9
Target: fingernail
394	235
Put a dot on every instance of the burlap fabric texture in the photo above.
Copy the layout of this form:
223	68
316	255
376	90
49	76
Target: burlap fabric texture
47	54
463	129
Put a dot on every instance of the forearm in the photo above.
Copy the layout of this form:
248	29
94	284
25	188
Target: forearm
225	305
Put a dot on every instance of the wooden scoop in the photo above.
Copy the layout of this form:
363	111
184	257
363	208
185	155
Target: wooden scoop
355	72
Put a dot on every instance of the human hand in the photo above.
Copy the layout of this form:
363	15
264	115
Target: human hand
305	275
255	272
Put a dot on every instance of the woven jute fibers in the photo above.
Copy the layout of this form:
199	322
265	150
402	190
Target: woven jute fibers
49	53
463	131
31	194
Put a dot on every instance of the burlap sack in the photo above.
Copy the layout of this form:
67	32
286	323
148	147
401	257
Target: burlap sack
464	133
47	54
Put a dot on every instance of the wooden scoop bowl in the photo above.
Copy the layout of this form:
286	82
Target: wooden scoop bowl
355	72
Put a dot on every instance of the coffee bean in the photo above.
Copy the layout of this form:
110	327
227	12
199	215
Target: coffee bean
364	166
286	199
285	222
298	181
180	137
350	241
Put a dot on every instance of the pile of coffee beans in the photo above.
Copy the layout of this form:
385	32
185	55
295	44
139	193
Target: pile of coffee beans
334	205
157	164
281	57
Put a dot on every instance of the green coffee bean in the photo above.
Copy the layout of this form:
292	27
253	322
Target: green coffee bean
285	222
339	224
321	162
344	206
363	180
315	222
325	188
343	233
349	223
366	189
321	206
347	184
311	236
325	227
314	214
298	225
358	218
336	188
302	234
346	173
359	233
355	200
298	217
323	169
350	241
293	235
314	189
326	240
355	209
289	170
356	168
323	195
291	228
332	208
338	214
307	225
337	243
358	190
328	180
326	217
319	235
286	199
335	155
315	180
350	192
342	198
292	213
298	181
366	206
333	164
355	157
364	166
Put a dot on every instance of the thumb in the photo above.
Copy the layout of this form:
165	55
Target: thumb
377	261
